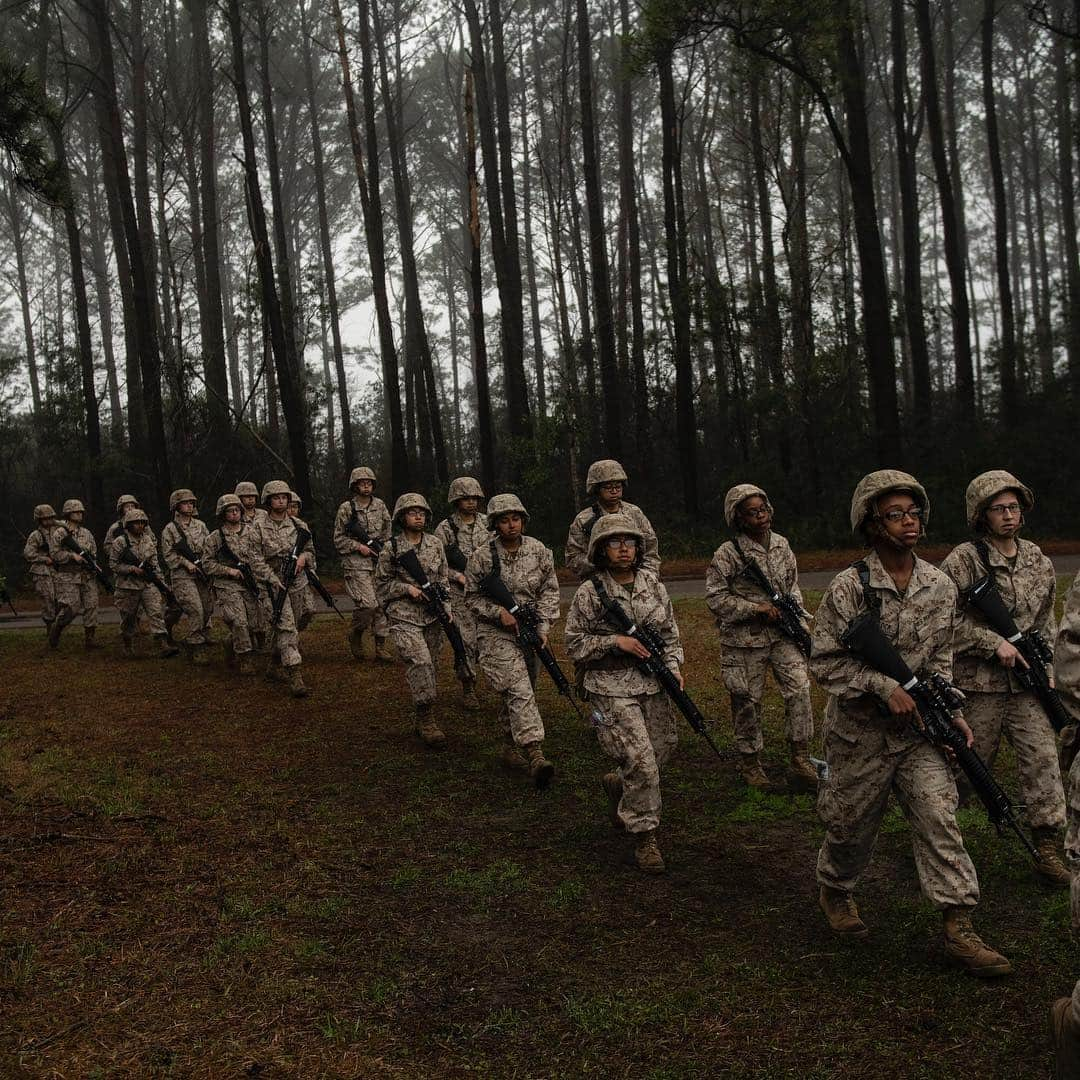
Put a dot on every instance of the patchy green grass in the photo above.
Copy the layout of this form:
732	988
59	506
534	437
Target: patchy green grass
206	878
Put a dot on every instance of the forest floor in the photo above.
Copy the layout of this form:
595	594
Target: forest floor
206	878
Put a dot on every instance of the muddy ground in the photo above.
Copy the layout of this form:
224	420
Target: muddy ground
203	877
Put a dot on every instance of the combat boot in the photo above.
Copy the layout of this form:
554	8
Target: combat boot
801	775
613	789
55	631
198	655
469	700
429	732
840	910
512	757
382	651
356	642
540	769
129	646
647	853
1065	1039
1049	869
230	653
274	671
88	638
968	949
752	772
296	682
246	665
166	648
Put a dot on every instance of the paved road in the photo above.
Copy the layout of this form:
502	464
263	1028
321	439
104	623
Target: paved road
814	579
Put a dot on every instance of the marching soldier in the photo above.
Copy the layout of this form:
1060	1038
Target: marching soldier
604	484
123	505
188	579
364	513
984	661
134	592
871	742
414	629
295	504
528	569
639	731
39	562
462	533
76	586
252	514
751	640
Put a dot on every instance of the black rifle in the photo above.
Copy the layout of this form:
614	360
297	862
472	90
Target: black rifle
435	598
320	588
127	555
984	597
247	575
357	531
5	598
936	700
287	576
653	664
71	544
790	611
183	545
455	557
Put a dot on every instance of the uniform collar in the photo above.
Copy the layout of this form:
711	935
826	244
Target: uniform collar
881	579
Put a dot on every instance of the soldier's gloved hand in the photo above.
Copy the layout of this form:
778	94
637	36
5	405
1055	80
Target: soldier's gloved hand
1010	655
632	646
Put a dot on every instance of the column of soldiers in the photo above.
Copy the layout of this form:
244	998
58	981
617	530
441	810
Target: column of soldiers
872	742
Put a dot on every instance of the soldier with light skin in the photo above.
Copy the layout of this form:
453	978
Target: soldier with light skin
294	505
40	562
76	586
248	494
196	603
134	593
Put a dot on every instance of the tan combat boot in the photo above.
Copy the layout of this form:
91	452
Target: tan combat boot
540	769
511	756
968	949
246	665
469	701
88	638
613	789
296	682
356	642
841	911
647	853
1065	1039
166	648
752	772
801	775
1049	869
428	731
382	651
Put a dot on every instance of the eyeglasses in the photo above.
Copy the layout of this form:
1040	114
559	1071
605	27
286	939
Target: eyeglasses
616	542
615	485
893	516
755	511
1004	508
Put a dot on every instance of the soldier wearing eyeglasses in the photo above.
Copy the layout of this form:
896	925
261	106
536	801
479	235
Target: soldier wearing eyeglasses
985	664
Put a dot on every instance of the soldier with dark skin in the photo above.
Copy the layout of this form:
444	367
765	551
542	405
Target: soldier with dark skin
39	562
76	585
123	504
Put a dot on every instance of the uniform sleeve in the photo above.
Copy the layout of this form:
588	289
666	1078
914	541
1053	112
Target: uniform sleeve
57	552
589	636
91	544
576	554
723	601
790	584
479	566
169	553
443	533
309	548
946	617
442	573
838	671
32	552
1067	649
668	629
344	544
388	586
115	564
212	566
548	599
651	560
384	523
972	637
1045	619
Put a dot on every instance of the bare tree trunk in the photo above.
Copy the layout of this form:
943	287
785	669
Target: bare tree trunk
19	225
1063	109
530	254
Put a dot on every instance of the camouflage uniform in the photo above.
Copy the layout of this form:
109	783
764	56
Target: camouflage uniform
134	594
529	573
37	556
260	625
192	592
276	540
359	570
468	537
123	504
577	540
76	586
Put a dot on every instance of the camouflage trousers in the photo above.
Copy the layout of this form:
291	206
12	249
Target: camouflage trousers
1020	718
76	594
45	587
196	604
147	600
287	639
743	673
1072	857
237	608
851	803
640	735
512	675
466	623
418	648
302	600
360	586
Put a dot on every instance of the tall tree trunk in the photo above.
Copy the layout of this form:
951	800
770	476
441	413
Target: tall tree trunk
18	224
1063	109
530	251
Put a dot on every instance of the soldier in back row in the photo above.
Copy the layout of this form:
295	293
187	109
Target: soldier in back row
76	585
39	562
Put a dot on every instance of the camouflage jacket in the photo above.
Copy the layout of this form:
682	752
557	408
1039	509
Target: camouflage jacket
1028	587
373	518
63	559
576	555
277	539
117	529
392	581
733	596
36	551
468	537
144	548
1067	650
195	531
246	545
590	637
920	623
529	573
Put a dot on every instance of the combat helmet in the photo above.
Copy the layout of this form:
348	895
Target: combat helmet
135	514
225	501
245	487
125	500
612	525
507	503
411	500
464	487
872	486
43	511
181	495
361	472
73	506
273	487
294	498
605	471
736	495
981	491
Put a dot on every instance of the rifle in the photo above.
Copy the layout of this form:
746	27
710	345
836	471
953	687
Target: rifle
790	611
247	575
653	664
287	576
127	555
984	597
321	589
435	597
71	544
936	699
357	531
183	545
5	598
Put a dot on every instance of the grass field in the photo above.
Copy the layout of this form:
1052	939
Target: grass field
205	878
